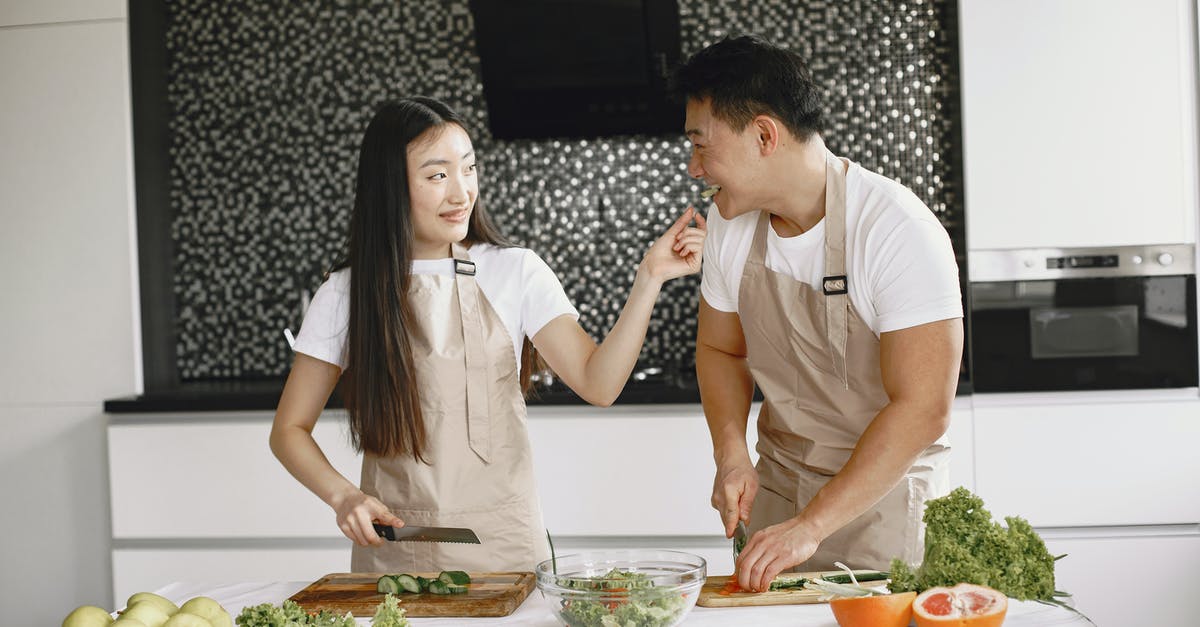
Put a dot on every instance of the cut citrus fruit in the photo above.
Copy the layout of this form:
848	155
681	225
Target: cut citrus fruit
885	610
965	605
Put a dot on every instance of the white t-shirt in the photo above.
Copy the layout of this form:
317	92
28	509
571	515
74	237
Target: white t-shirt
899	260
520	287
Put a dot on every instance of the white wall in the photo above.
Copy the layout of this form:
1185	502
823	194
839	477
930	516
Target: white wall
67	308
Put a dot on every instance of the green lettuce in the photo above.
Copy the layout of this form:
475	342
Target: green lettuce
964	545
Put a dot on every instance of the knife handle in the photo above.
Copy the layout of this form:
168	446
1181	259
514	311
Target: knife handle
384	531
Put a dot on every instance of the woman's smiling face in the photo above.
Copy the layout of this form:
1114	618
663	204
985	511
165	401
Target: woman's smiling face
442	186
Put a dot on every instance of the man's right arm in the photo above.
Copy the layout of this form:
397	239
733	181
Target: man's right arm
726	390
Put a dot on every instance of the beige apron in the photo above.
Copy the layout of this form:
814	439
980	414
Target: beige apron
480	472
817	365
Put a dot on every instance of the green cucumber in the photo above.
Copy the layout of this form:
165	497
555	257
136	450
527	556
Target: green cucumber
455	577
868	576
408	583
438	586
424	583
387	585
456	589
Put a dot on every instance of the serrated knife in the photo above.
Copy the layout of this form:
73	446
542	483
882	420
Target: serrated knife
426	534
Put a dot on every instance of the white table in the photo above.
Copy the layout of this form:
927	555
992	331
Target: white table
537	611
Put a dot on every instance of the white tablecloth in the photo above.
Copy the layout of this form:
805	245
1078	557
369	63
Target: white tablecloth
537	611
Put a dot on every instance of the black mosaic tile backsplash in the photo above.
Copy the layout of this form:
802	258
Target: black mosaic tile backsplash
269	99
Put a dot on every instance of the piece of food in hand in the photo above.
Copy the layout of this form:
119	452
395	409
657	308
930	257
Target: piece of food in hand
88	616
885	610
964	605
162	602
710	191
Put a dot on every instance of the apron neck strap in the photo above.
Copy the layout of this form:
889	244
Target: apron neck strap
474	349
835	286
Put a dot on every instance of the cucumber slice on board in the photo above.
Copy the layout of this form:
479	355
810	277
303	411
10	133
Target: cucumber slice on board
408	583
387	585
438	586
455	577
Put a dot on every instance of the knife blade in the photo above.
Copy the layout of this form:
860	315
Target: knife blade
426	534
740	535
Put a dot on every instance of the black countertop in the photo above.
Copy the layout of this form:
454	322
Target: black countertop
263	395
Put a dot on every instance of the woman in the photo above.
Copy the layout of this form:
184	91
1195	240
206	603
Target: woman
426	319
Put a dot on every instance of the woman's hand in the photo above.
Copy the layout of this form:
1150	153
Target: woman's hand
678	252
356	511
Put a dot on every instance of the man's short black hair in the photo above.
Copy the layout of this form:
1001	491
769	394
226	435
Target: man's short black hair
748	76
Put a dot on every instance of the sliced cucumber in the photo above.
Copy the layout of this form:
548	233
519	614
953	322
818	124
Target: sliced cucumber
438	586
408	583
456	589
424	583
387	585
455	577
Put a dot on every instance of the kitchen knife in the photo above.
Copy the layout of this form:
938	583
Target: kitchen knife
740	536
426	534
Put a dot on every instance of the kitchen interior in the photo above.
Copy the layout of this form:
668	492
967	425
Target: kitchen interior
177	179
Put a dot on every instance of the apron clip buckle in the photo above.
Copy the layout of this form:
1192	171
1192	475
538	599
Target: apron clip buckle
462	266
833	285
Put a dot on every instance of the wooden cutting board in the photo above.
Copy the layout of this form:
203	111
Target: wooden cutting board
488	594
710	595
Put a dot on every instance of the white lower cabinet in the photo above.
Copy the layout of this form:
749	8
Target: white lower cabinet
1130	576
1062	461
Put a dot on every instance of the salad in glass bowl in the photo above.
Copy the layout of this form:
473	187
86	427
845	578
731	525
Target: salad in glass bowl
622	588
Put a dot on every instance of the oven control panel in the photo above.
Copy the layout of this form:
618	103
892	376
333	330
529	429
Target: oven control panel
1062	263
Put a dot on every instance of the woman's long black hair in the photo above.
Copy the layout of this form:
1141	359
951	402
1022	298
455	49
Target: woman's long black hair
380	382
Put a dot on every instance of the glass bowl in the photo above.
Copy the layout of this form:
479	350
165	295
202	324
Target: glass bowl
645	587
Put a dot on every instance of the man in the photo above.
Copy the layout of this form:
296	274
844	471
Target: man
835	290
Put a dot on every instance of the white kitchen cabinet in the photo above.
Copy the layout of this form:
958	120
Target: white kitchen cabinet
1078	122
200	497
1130	576
1089	459
962	444
150	568
215	477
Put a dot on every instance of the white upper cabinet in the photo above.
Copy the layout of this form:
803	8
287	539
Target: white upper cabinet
1079	122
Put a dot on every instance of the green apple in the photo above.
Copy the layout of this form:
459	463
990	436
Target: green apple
162	602
208	609
183	619
127	622
88	616
147	613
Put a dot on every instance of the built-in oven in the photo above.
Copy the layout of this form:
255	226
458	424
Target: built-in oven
1083	319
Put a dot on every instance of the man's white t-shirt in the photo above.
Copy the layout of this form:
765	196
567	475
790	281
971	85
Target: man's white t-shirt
521	288
899	261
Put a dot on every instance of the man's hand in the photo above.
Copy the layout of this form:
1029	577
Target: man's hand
734	489
771	551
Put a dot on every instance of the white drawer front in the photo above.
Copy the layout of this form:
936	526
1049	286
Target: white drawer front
216	479
1131	463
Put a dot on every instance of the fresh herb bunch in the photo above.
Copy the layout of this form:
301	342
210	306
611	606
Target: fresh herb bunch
389	614
964	545
290	615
